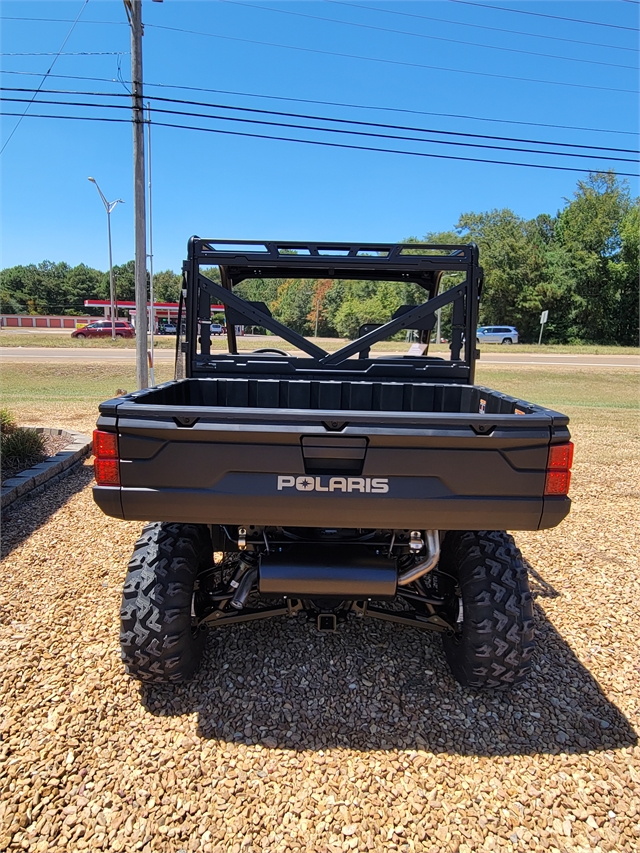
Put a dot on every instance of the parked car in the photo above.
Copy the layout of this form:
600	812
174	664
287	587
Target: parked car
217	329
168	329
497	335
102	329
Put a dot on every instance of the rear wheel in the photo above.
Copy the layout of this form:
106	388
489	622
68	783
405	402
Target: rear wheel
494	643
507	341
158	640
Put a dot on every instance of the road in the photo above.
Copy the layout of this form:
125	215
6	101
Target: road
57	355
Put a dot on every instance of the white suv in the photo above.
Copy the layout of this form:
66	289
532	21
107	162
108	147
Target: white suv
497	335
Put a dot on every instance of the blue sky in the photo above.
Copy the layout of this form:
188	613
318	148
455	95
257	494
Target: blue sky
228	186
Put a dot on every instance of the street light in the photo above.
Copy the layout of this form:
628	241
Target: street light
109	206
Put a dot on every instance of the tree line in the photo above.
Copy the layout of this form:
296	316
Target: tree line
581	265
58	288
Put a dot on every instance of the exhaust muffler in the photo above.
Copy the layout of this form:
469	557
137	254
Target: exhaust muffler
327	572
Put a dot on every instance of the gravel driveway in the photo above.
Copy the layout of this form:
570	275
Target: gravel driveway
291	740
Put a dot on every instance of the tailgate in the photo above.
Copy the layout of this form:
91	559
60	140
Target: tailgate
300	468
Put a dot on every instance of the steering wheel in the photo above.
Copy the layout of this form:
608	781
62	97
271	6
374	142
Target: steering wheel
272	350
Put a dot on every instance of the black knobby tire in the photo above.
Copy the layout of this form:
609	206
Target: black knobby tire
494	646
157	638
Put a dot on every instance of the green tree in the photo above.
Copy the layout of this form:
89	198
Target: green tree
16	285
80	283
48	288
166	286
292	304
513	255
590	230
625	271
36	289
259	290
352	304
501	239
8	303
125	281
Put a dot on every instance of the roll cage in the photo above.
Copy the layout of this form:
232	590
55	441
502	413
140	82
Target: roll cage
419	263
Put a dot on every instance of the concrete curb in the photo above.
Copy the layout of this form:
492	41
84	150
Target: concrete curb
52	469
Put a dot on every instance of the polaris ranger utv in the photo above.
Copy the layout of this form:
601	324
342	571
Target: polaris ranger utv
337	485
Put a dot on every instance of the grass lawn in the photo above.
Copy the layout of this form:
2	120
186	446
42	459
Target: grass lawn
218	343
66	395
44	339
56	339
552	386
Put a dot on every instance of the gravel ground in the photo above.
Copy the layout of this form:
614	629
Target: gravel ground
290	740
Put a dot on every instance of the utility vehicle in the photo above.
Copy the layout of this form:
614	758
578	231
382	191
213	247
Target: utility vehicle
339	485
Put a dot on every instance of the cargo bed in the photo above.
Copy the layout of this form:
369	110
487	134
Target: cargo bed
345	453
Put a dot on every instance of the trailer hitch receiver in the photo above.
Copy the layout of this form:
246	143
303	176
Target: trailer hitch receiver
327	622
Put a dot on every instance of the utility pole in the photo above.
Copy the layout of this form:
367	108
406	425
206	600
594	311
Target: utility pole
134	13
152	313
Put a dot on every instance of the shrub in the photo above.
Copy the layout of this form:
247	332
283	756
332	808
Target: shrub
7	422
22	445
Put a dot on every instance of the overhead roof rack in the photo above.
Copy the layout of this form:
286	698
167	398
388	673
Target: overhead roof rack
388	261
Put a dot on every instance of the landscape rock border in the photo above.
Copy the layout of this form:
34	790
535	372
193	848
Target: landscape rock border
52	469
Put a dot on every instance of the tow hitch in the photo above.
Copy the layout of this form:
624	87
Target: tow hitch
327	622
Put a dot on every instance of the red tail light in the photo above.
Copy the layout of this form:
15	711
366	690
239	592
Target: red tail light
105	444
560	456
107	472
557	483
106	466
559	464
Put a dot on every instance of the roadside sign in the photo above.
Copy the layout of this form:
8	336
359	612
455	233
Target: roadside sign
543	319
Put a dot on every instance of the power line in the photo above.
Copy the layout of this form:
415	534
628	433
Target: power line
19	122
542	15
310	117
60	20
385	11
392	61
370	59
387	109
481	26
294	126
333	103
326	144
76	53
423	35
